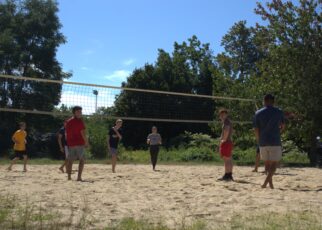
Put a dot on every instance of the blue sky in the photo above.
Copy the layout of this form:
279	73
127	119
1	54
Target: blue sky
107	39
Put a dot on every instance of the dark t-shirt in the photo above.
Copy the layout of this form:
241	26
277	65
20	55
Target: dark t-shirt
63	139
114	139
227	125
268	120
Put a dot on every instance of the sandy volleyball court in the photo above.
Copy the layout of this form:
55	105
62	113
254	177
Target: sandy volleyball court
172	195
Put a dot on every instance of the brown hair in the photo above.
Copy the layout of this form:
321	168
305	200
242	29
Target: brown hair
22	124
223	110
76	108
269	98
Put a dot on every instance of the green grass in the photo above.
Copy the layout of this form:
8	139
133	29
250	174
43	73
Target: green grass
17	214
268	221
309	220
132	224
188	156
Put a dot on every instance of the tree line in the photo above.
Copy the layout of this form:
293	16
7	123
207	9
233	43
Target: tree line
281	54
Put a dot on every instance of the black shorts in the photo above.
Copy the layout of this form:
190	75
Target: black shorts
20	154
257	150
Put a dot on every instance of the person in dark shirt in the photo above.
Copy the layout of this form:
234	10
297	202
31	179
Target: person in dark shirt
268	125
113	139
61	138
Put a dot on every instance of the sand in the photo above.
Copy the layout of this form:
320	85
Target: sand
172	195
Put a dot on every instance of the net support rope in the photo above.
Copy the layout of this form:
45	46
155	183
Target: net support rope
57	113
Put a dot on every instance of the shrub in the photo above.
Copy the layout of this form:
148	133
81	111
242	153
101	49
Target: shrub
198	154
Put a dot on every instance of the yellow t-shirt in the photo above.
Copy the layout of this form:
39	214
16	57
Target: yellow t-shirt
20	138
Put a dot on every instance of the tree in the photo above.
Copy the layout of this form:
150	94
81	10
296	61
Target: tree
241	53
235	68
187	70
29	38
293	66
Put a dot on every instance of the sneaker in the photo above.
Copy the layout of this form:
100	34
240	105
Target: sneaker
230	177
224	178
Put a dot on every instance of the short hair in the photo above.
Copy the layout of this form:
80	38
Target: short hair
118	121
154	127
22	124
76	108
269	98
223	110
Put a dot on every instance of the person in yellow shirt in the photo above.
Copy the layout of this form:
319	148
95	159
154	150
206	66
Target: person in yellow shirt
19	139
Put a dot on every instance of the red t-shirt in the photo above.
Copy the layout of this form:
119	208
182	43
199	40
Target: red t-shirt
73	128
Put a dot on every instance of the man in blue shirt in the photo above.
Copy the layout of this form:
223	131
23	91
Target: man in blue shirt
268	124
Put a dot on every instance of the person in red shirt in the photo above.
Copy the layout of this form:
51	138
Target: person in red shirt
76	142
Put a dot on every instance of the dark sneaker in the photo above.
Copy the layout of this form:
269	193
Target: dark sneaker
230	177
224	178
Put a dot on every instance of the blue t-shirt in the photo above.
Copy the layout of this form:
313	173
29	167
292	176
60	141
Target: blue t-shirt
269	120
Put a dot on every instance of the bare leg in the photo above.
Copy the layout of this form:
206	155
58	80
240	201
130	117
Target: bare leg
66	162
12	163
80	169
271	173
228	165
231	165
114	158
69	169
271	168
61	168
267	166
25	159
257	163
228	168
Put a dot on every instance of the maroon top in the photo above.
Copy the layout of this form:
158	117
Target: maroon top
73	127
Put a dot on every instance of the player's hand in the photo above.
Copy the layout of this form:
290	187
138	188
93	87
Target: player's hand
62	149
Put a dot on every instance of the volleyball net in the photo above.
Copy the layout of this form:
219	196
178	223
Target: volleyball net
51	97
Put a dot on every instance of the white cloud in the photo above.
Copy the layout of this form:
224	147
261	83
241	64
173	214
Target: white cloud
118	76
129	62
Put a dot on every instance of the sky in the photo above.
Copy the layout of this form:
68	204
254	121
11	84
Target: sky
108	39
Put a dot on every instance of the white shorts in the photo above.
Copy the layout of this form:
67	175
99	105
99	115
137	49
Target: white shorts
271	153
76	153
